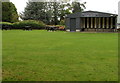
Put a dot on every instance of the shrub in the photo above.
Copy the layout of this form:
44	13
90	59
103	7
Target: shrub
62	22
118	29
61	27
32	23
6	25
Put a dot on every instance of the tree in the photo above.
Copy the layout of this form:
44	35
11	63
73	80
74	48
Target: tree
64	10
36	11
78	7
49	12
44	11
9	12
56	7
67	8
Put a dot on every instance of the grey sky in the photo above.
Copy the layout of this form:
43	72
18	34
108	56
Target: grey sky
110	6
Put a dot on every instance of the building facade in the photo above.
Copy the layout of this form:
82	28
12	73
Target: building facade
91	21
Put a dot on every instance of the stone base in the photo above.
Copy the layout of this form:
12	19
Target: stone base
77	30
99	30
93	30
68	30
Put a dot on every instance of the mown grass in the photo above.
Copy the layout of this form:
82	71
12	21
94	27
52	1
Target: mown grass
59	56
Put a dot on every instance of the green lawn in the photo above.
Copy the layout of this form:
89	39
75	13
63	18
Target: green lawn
59	56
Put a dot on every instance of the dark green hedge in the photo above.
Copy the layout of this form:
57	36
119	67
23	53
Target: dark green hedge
32	23
6	25
118	29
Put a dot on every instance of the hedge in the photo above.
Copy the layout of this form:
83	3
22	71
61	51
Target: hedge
62	22
32	23
6	25
118	29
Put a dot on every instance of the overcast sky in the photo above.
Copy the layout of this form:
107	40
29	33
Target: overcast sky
110	6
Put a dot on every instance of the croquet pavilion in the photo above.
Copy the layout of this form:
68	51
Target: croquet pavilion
91	21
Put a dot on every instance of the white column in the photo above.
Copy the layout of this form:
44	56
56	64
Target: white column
107	22
103	22
95	23
99	22
91	22
87	22
83	26
84	23
111	22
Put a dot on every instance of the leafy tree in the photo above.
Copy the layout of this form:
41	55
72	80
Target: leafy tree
64	10
9	12
49	12
36	11
67	8
78	7
56	7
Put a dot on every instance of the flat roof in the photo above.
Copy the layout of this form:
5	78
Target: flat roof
91	14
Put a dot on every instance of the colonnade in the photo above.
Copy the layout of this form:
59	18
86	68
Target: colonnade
98	22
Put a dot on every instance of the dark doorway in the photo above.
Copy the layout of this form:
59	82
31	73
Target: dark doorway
72	24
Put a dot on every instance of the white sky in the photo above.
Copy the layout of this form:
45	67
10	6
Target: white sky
110	6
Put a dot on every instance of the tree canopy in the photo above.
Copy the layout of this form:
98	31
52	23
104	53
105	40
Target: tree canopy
9	12
50	12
